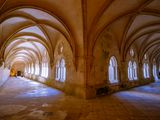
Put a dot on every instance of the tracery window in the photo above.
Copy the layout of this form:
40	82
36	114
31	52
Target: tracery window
145	56
155	71
146	70
131	52
132	70
60	70
113	77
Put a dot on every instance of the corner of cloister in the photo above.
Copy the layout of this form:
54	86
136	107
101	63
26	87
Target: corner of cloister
85	49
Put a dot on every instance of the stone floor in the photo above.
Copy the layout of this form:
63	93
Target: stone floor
22	99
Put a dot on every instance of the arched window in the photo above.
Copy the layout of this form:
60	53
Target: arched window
32	68
57	71
145	56
146	70
63	70
131	52
44	69
132	70
155	71
113	77
29	69
130	76
42	73
60	70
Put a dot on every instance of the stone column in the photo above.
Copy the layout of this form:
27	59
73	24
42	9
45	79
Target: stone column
51	73
89	77
151	73
124	75
140	73
75	83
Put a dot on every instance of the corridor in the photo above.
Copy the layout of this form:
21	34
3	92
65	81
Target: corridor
23	99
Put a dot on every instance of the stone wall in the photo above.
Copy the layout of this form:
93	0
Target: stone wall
87	77
4	74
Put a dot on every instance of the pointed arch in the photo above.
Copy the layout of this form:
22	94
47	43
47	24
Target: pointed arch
112	69
132	70
146	70
60	70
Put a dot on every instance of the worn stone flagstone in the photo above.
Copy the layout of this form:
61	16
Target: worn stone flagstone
19	102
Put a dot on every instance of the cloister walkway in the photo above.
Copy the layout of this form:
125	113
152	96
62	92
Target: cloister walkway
23	99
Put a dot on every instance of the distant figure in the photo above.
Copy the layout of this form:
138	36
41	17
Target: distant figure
13	72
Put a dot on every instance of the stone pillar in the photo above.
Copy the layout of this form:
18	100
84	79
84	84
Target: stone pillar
140	73
75	83
151	73
51	69
124	75
89	77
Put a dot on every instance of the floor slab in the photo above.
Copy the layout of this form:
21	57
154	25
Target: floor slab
23	99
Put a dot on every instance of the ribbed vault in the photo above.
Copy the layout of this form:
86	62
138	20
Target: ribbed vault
135	23
81	35
31	33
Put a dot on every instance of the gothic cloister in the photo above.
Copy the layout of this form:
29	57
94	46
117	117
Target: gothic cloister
80	59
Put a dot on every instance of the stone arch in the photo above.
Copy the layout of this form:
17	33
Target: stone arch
64	52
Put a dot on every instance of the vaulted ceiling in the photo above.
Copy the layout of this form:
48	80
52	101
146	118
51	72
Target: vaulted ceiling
133	22
27	27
